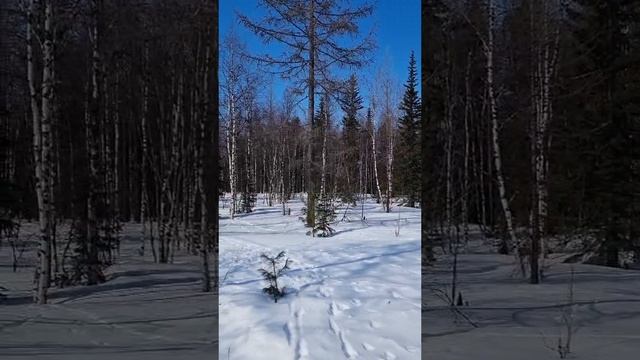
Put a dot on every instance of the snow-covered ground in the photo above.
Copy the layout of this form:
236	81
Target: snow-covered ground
353	295
144	311
517	320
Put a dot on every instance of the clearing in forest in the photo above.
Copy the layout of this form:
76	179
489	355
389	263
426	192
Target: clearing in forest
354	295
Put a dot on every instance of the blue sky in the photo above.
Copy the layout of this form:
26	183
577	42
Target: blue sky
397	32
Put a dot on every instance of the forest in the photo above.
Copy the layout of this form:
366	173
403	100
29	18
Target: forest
107	119
531	143
532	126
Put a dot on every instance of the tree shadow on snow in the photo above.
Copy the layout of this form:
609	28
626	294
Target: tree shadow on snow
402	250
77	292
28	352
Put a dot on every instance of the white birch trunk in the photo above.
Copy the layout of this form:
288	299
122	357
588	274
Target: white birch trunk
375	162
232	154
390	162
544	53
41	117
497	156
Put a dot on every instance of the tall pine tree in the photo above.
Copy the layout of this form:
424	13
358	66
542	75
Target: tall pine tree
350	104
409	149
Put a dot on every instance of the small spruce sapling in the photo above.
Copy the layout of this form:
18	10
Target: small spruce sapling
272	274
247	202
325	214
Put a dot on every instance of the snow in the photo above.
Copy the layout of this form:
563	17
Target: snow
518	320
144	310
354	295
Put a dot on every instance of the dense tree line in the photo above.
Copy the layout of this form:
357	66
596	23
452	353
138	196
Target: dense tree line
108	108
532	125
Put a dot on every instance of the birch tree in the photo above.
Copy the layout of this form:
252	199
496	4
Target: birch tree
495	136
544	55
41	112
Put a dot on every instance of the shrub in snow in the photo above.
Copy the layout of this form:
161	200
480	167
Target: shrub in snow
325	214
86	264
272	273
247	202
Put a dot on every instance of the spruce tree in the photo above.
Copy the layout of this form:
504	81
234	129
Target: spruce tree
324	211
350	104
325	214
247	201
248	197
409	150
9	209
272	273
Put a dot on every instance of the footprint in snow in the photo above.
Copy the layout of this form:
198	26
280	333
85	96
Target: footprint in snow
361	286
301	348
337	308
333	326
356	302
374	324
368	346
348	350
411	349
326	292
388	355
288	330
334	310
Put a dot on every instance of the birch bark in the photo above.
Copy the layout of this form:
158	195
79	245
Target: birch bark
495	139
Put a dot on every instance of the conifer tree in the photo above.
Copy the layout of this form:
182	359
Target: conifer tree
325	214
9	208
324	211
247	201
409	150
272	273
351	103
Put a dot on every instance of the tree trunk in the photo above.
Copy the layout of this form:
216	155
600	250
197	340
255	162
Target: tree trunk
231	138
311	220
92	116
204	219
390	169
143	168
497	156
375	162
41	117
465	174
